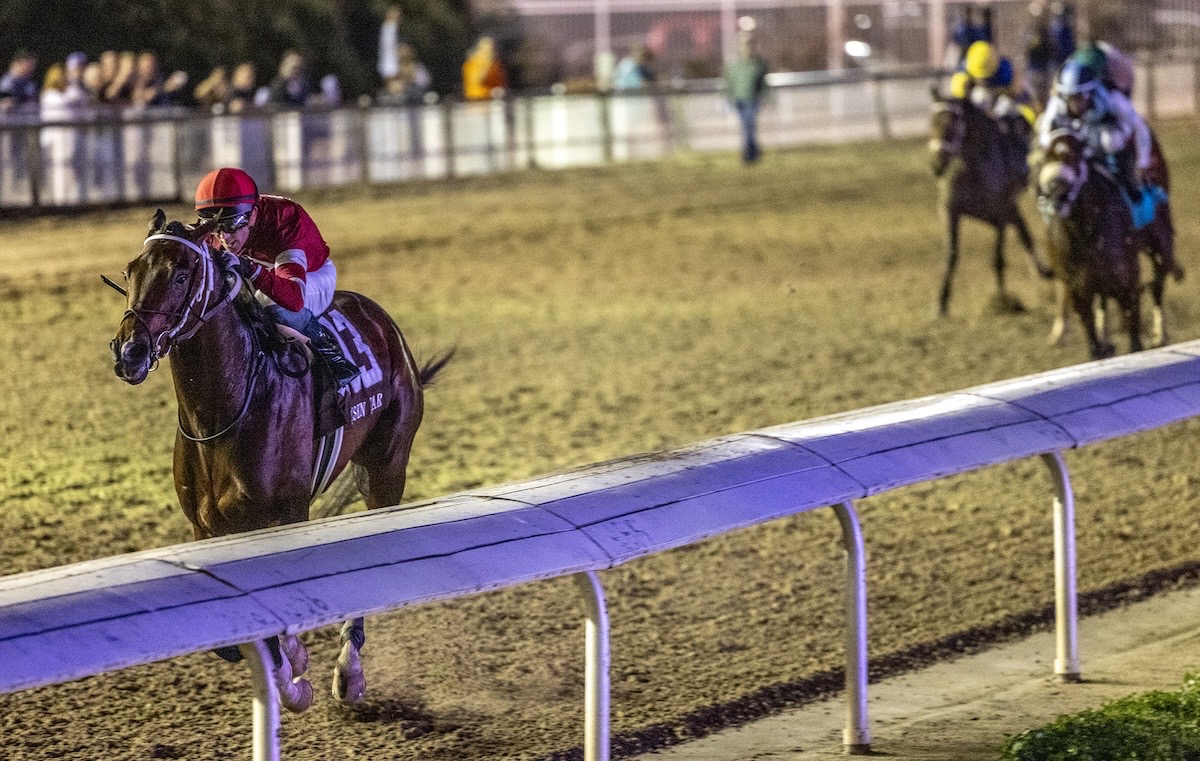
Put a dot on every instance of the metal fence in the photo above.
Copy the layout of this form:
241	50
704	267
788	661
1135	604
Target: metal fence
109	158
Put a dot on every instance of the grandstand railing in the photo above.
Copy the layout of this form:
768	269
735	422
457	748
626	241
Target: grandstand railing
143	157
74	621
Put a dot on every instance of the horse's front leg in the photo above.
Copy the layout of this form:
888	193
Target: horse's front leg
349	683
1042	269
1131	310
1062	315
1099	348
952	220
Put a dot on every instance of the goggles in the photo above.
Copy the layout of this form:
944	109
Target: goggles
226	223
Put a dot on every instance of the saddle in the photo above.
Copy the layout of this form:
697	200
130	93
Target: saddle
330	408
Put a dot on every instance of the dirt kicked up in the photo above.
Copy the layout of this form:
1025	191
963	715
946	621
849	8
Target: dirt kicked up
597	314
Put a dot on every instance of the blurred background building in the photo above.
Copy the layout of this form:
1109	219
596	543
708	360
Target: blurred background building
563	40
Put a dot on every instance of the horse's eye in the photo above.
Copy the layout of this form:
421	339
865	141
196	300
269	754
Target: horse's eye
181	278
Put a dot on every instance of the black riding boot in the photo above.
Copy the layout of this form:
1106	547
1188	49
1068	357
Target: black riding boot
325	345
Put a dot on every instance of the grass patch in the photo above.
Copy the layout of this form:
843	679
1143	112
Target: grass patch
1156	726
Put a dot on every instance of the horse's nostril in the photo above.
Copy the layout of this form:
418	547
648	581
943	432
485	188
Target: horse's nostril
134	352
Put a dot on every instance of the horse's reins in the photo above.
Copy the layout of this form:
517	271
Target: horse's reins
204	290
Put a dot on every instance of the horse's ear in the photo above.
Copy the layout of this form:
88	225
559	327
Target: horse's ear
156	224
202	227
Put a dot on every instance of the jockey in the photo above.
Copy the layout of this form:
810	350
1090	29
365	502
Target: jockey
1107	120
280	252
1113	131
987	80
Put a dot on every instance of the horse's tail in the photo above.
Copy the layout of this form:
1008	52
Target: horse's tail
431	368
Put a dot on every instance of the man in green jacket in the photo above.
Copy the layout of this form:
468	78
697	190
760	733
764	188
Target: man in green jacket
745	82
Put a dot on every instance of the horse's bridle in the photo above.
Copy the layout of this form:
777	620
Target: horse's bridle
202	295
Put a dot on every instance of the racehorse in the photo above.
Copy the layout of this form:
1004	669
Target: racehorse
1157	240
247	450
1093	244
981	173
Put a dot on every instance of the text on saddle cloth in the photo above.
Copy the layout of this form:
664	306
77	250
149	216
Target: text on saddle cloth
361	399
364	399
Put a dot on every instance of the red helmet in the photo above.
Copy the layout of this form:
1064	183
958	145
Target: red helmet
224	193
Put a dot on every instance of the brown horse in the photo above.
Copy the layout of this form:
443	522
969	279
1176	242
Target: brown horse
1093	245
1157	241
981	173
247	453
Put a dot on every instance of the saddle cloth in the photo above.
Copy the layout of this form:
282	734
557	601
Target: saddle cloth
1145	211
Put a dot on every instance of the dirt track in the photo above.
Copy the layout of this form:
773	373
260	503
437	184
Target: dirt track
598	314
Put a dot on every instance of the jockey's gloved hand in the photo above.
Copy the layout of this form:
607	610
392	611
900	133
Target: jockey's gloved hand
247	269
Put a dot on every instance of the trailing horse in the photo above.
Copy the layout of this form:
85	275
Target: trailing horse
1156	240
252	447
981	173
1094	246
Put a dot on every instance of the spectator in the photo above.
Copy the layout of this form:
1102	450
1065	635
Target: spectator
243	88
59	144
1039	54
291	88
214	91
18	88
483	74
76	90
745	82
411	81
967	31
93	81
149	89
390	41
1062	32
331	91
118	90
633	71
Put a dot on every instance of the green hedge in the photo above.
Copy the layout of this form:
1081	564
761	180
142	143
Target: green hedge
1157	726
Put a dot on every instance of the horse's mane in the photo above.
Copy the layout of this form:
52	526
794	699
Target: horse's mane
258	321
248	308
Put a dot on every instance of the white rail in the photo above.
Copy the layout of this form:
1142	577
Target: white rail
74	621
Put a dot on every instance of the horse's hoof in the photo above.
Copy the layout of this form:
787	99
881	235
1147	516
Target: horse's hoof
299	698
296	653
1006	303
349	683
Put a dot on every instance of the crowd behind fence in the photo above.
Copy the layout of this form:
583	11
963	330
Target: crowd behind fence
160	156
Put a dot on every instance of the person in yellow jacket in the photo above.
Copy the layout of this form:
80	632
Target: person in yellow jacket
483	73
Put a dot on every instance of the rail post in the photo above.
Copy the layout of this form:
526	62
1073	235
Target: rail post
33	163
1066	604
856	737
448	134
596	689
530	132
881	109
606	128
266	701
